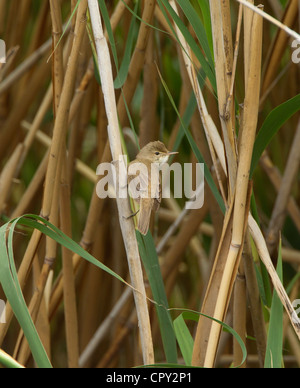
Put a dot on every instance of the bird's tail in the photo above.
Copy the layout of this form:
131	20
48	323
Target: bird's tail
144	218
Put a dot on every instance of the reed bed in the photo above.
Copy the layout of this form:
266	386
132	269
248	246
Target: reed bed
88	81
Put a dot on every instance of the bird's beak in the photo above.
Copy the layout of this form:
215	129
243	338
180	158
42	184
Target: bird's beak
172	153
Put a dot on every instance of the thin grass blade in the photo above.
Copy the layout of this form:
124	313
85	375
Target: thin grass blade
150	260
275	334
271	125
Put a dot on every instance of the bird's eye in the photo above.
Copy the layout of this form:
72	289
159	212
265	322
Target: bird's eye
156	153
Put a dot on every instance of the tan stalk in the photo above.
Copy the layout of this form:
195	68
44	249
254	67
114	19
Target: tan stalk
240	205
127	226
71	322
223	52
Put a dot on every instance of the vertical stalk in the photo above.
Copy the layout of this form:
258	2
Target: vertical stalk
127	226
71	323
223	50
240	211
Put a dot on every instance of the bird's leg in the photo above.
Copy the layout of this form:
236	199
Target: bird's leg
131	215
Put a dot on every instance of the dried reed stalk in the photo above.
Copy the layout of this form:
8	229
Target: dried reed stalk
240	211
127	226
70	310
71	324
223	49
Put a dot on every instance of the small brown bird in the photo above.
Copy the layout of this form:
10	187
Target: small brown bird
150	157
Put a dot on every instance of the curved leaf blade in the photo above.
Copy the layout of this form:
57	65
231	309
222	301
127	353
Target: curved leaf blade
271	126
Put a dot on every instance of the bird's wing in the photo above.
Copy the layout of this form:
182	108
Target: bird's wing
138	180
